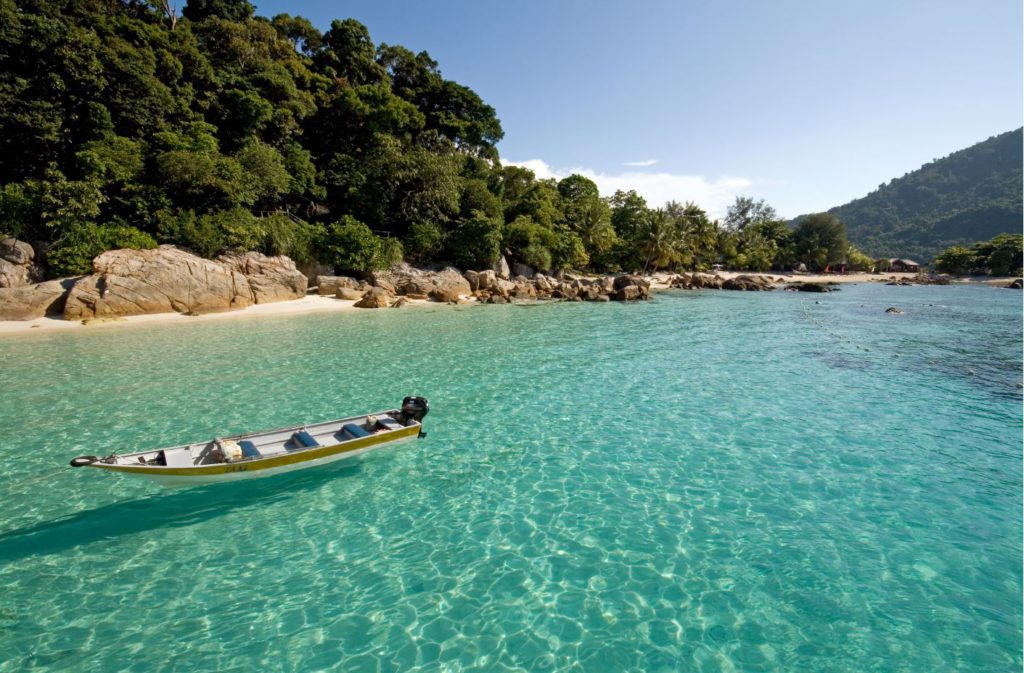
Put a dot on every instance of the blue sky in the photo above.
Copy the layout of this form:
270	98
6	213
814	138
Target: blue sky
806	104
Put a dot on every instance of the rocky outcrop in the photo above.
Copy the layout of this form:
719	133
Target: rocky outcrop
1016	284
809	287
893	310
136	282
28	302
748	283
17	266
697	281
501	268
932	279
630	288
271	278
350	294
329	285
376	297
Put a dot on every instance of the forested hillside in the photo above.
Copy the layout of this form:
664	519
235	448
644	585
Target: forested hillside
125	124
969	196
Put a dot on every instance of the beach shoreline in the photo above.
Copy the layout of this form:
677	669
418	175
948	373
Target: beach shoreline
313	303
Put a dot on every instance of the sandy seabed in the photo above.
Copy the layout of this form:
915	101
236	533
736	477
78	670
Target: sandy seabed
318	304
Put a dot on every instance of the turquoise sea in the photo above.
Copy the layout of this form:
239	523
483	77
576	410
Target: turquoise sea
706	482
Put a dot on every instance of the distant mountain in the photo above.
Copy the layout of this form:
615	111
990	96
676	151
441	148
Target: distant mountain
969	196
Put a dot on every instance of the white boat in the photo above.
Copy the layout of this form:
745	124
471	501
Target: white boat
262	454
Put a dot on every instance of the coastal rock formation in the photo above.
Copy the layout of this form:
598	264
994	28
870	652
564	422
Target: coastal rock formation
376	297
446	285
928	279
630	288
697	281
27	302
16	263
136	282
810	287
328	285
451	282
349	293
271	278
1017	284
501	268
748	283
894	310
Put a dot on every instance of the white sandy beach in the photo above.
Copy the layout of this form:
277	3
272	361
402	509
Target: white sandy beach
318	304
308	304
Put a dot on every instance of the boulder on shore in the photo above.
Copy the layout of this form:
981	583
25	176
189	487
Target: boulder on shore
748	283
16	263
271	278
501	268
328	285
349	293
630	288
163	280
376	297
1016	284
28	302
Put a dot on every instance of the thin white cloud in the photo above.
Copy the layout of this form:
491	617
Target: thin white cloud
641	164
714	196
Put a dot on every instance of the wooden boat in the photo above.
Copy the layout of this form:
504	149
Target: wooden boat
262	454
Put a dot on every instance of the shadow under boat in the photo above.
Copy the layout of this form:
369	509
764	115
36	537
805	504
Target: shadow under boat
174	509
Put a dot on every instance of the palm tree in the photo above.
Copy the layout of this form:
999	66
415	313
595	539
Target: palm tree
660	242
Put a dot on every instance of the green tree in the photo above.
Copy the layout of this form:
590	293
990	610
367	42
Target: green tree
586	214
476	241
957	260
350	246
73	252
230	10
745	211
1000	256
820	240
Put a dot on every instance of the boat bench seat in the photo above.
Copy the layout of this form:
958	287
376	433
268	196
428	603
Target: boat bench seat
352	431
388	423
178	458
304	439
249	449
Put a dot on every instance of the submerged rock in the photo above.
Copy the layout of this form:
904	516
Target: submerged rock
893	310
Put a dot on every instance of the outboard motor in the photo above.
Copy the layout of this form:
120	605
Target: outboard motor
414	409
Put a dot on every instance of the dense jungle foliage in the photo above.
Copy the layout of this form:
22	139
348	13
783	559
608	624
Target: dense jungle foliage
1000	256
971	195
123	124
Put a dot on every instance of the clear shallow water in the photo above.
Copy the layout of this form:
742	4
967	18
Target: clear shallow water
706	482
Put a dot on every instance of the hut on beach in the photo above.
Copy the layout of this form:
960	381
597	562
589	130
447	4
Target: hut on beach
904	265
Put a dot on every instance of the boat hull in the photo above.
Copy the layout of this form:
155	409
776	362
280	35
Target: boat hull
178	477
